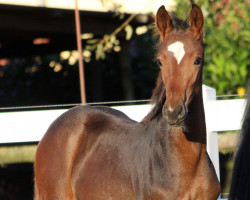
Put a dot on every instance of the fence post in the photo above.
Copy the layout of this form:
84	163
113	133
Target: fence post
209	95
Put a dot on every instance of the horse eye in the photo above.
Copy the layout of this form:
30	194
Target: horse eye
198	61
158	62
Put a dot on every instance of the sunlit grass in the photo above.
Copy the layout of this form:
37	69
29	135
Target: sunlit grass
17	154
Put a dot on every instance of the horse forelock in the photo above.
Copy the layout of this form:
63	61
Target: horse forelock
178	23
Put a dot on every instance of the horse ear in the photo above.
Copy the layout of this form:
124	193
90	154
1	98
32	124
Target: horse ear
163	22
197	22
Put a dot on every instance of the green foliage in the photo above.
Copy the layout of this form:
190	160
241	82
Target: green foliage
110	42
226	40
106	44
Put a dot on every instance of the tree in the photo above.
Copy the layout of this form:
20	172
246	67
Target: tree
226	40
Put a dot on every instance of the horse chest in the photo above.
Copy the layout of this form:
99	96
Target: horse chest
175	184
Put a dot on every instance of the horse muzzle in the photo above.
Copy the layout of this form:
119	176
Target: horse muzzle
176	116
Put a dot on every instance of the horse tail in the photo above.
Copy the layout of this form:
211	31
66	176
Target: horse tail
241	172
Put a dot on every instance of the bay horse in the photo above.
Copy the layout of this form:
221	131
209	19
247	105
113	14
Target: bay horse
98	153
240	185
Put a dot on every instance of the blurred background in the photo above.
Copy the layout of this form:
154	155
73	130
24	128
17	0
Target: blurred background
39	63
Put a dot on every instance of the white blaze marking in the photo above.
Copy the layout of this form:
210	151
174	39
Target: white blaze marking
178	49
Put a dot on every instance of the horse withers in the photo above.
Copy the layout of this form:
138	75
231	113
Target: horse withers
98	153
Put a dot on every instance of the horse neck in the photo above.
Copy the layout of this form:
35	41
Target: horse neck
195	124
189	141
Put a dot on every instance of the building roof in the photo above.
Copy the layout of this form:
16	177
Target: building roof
128	6
20	25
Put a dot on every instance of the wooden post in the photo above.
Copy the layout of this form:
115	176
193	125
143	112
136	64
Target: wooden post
79	47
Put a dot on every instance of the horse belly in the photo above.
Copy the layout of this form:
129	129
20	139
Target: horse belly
102	176
98	190
101	182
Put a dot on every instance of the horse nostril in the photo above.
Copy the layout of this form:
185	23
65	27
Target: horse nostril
181	112
176	116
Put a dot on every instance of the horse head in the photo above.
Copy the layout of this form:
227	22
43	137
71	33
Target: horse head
180	57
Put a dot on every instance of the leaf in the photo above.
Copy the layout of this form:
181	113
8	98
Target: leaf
91	47
112	39
93	41
99	53
244	54
122	15
243	70
141	30
129	32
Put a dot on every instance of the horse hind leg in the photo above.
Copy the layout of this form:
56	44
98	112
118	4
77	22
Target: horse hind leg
53	183
35	191
56	154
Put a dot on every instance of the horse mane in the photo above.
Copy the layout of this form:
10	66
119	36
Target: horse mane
178	23
159	93
241	171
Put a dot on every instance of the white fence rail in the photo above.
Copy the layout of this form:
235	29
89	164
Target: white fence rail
30	126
